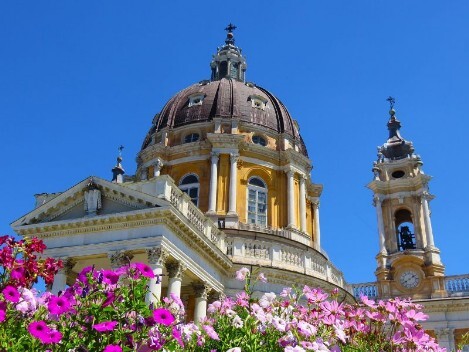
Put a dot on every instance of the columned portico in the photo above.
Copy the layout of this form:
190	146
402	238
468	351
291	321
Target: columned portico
291	198
212	200
156	259
201	291
175	271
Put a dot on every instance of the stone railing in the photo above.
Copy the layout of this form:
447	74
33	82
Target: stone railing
266	253
166	189
457	285
369	289
291	234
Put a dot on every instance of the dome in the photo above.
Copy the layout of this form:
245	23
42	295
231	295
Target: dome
226	98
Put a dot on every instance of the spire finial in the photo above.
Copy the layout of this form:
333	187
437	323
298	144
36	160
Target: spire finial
392	101
229	36
118	170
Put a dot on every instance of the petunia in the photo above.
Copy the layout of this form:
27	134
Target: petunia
110	297
163	316
39	330
144	269
211	332
58	305
11	294
28	302
105	326
242	273
110	277
53	336
112	348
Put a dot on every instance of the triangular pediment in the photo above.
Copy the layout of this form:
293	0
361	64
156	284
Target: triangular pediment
92	197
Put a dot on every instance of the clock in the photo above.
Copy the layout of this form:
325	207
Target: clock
409	279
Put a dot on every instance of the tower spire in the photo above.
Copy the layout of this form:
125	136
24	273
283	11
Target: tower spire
228	62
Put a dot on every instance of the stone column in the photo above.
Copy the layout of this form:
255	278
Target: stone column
175	271
302	203
60	279
119	258
377	202
428	223
233	183
212	200
445	338
291	198
156	260
317	229
201	290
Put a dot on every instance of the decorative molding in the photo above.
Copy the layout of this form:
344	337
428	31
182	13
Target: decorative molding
176	270
120	258
157	255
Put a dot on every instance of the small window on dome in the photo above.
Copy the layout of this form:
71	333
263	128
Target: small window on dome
259	140
258	102
191	137
398	174
196	100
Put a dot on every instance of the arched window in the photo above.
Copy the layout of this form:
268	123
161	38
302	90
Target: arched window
259	140
190	185
257	201
404	230
191	137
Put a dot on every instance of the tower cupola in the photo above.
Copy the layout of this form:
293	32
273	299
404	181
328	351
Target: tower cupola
229	62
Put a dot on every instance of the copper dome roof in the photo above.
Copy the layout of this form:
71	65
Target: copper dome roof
226	98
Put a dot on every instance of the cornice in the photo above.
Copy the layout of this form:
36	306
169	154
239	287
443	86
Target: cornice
402	184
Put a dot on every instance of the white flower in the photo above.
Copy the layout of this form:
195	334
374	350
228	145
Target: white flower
234	349
237	322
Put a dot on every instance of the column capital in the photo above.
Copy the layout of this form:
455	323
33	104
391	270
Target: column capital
214	157
290	172
216	296
157	255
201	289
175	269
68	264
234	157
377	199
120	258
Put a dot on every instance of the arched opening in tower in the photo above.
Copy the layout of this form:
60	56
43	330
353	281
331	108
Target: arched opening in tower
404	230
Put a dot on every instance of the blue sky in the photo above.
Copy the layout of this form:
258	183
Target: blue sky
79	78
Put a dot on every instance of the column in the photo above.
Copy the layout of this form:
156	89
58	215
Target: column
317	229
377	202
119	258
233	183
302	203
428	223
201	290
175	271
291	198
60	279
156	260
212	200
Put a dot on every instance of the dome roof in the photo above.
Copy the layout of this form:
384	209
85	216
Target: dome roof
227	98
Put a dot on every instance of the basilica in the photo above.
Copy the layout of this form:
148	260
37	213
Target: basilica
223	181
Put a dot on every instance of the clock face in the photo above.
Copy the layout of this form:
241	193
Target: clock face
409	279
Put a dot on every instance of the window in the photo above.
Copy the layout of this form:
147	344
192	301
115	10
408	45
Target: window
258	102
196	100
259	140
191	137
257	202
404	230
190	185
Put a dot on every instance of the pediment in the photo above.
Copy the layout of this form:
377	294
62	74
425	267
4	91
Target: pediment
92	197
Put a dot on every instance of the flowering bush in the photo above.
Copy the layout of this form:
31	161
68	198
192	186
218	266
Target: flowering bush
105	310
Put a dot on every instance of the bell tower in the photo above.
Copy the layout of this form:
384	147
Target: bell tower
408	263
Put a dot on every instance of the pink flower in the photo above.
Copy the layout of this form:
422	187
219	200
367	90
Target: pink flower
144	269
163	316
53	336
211	332
110	297
261	277
39	330
242	273
110	277
3	315
112	348
28	302
105	326
11	294
58	305
177	336
17	273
